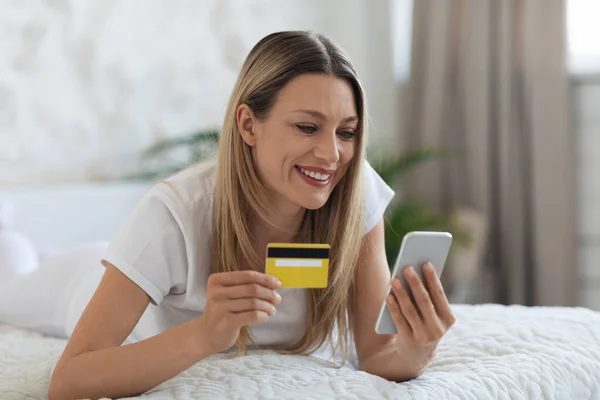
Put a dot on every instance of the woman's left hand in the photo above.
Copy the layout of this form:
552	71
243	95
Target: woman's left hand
419	328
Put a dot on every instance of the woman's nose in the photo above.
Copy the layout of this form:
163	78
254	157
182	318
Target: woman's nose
327	148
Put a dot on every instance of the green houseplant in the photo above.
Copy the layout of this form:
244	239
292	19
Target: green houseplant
407	213
168	156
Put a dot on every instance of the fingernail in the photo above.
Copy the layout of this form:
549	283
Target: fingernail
396	283
410	271
277	282
390	300
428	267
277	298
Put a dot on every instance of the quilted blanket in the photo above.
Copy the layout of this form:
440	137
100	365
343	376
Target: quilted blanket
493	352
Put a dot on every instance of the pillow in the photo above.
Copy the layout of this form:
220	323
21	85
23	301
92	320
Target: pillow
18	255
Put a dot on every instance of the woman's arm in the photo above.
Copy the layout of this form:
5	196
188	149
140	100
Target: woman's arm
94	366
405	355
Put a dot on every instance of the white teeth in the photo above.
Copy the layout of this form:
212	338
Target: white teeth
315	175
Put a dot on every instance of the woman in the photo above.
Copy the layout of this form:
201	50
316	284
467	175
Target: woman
290	168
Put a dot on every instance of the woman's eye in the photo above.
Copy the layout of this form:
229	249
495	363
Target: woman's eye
307	128
347	135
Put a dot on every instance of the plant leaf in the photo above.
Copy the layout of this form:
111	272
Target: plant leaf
392	170
210	137
409	215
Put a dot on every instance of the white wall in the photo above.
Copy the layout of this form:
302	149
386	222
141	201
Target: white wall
86	85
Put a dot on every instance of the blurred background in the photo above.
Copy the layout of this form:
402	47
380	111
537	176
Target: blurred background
485	118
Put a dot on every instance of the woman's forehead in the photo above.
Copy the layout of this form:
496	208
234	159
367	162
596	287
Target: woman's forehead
327	95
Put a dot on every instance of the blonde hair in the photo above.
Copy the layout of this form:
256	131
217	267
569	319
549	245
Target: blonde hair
240	195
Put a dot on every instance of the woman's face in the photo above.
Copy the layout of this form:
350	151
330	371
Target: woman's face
303	147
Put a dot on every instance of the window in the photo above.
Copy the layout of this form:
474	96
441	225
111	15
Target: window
583	36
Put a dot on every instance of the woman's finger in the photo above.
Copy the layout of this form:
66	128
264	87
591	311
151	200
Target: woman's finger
408	309
249	304
402	326
250	290
438	296
250	317
236	278
425	306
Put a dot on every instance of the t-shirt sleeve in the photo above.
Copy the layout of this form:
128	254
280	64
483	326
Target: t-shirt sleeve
149	247
378	196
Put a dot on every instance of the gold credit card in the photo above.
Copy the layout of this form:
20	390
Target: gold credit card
298	265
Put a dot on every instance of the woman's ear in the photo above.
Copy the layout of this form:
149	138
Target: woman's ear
246	123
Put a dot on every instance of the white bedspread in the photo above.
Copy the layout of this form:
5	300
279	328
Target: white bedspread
493	352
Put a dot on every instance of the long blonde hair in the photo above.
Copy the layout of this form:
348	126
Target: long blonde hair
240	195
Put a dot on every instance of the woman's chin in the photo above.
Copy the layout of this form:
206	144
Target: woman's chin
313	202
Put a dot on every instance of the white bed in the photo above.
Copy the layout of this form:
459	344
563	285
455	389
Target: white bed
493	352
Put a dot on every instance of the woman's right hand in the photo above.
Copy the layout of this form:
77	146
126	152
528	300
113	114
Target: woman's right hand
233	300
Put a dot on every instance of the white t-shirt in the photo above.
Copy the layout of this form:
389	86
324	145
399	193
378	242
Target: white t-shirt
164	246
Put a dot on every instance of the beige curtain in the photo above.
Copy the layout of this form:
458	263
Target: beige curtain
488	79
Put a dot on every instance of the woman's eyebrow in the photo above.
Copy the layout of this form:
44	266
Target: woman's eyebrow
323	117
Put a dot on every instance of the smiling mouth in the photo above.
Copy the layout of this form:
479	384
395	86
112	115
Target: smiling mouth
322	177
317	178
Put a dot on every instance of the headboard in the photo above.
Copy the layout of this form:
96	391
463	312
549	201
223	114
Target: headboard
58	217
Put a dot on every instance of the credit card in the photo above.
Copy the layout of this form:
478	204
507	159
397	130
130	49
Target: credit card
298	265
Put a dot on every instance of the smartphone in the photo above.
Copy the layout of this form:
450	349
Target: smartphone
417	249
